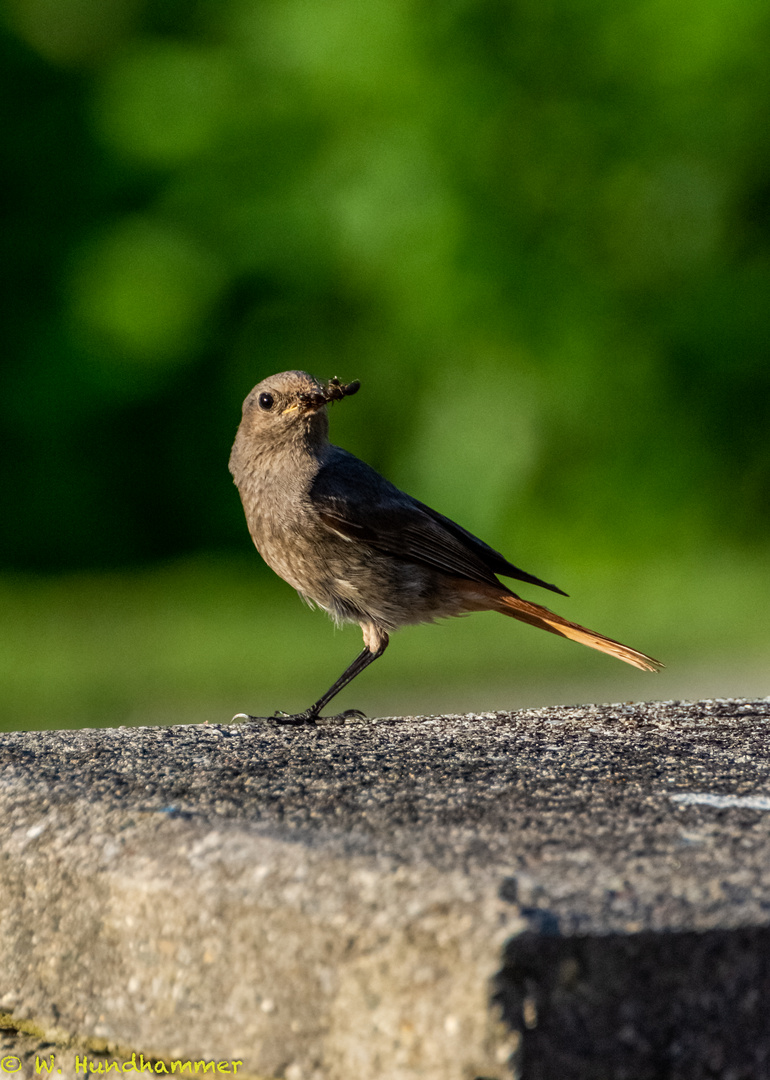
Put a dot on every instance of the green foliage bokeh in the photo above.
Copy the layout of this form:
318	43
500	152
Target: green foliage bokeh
537	232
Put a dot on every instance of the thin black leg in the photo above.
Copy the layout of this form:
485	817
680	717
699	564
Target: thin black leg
363	660
309	716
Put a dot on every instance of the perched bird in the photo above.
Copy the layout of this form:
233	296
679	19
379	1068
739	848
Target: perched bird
348	540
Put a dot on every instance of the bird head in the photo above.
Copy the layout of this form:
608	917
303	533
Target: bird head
291	407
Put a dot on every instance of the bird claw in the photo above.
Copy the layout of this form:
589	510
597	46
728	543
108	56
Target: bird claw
307	717
341	718
298	719
277	717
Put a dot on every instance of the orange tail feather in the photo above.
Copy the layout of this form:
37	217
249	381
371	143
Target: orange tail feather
536	615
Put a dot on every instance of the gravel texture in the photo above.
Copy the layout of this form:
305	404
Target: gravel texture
556	892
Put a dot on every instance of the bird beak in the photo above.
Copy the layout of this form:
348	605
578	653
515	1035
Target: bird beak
311	401
307	404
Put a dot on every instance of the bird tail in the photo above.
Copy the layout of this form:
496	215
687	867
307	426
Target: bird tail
535	615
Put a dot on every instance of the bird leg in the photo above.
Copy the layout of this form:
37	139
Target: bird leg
363	660
310	716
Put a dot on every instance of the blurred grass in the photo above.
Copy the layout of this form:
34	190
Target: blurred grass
202	639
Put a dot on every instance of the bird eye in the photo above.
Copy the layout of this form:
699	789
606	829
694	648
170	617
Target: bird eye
265	401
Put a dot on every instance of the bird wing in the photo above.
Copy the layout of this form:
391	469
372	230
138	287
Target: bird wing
353	500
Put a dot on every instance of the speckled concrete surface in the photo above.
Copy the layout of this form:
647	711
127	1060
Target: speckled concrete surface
348	900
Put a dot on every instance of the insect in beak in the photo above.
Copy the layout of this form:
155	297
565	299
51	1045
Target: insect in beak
333	391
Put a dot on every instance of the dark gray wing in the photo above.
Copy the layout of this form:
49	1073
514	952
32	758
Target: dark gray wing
355	501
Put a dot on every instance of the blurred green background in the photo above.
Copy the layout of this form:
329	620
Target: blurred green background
538	233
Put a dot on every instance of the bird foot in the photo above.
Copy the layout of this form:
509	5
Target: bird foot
276	718
340	718
297	719
306	717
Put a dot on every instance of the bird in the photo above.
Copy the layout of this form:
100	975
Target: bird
357	546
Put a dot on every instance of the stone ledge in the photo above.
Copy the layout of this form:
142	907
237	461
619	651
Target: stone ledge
445	897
